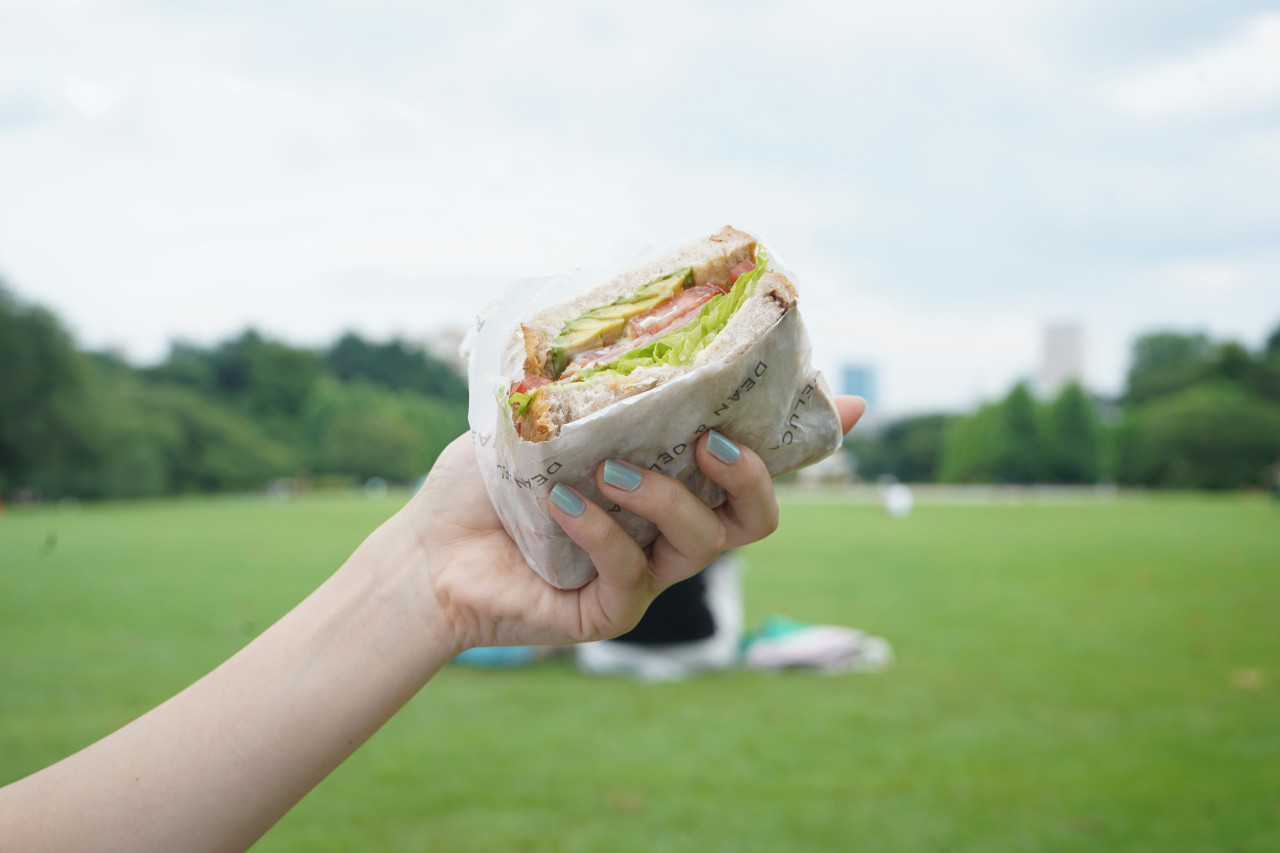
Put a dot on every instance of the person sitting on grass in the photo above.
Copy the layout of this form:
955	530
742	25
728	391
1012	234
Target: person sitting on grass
696	626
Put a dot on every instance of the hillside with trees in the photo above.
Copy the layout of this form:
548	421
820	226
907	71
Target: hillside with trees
1196	414
233	416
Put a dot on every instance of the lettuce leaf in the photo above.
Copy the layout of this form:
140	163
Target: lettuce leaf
681	346
521	401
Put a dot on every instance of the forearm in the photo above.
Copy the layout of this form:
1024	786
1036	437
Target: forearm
215	766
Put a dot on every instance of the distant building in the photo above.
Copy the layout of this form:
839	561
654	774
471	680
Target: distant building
859	379
1063	361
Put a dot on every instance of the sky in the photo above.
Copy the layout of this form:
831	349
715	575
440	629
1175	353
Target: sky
945	179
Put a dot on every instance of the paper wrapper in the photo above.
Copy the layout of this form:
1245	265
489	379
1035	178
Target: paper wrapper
769	399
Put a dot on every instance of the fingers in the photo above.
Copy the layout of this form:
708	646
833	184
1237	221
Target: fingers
850	409
629	577
692	534
615	600
605	542
751	512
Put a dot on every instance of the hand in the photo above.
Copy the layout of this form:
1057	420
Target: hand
485	593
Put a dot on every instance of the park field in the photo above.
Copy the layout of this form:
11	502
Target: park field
1092	676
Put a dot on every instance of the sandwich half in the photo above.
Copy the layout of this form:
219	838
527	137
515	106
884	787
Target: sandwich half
706	302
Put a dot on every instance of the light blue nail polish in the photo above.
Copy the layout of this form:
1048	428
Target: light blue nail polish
722	448
621	476
565	498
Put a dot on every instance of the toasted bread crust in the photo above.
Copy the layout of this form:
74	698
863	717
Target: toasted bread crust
537	423
776	286
537	352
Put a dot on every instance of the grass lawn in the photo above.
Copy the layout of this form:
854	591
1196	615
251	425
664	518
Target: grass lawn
1089	677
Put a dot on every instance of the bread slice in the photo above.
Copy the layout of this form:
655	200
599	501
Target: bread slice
556	405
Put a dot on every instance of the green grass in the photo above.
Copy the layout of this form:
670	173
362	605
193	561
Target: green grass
1066	680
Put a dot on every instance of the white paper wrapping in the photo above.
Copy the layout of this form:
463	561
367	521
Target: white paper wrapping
770	399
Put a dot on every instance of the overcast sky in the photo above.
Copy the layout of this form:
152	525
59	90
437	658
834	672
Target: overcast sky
944	178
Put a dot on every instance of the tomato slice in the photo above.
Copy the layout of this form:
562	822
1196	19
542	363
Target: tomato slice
524	386
658	320
674	313
530	381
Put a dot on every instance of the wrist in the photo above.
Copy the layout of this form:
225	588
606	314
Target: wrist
410	617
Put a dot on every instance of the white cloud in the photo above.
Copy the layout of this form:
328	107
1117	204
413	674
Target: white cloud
933	172
1263	145
1238	74
1210	278
89	98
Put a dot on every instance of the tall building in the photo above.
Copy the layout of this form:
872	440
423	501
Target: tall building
860	379
1063	360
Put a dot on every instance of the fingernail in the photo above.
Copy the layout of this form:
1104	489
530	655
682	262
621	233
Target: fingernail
567	500
722	448
621	476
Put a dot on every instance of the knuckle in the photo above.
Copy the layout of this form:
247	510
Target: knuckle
718	539
611	537
669	501
771	524
662	499
708	544
759	480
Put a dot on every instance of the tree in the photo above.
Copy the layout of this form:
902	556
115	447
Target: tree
227	418
909	449
122	447
213	448
1212	436
188	365
1074	438
1167	362
1265	381
41	378
365	430
1022	455
1002	442
269	380
970	447
394	365
266	380
868	452
1233	363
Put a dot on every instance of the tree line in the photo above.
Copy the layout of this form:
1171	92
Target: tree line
233	416
1195	414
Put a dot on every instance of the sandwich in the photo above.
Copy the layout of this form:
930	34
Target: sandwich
635	366
704	303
